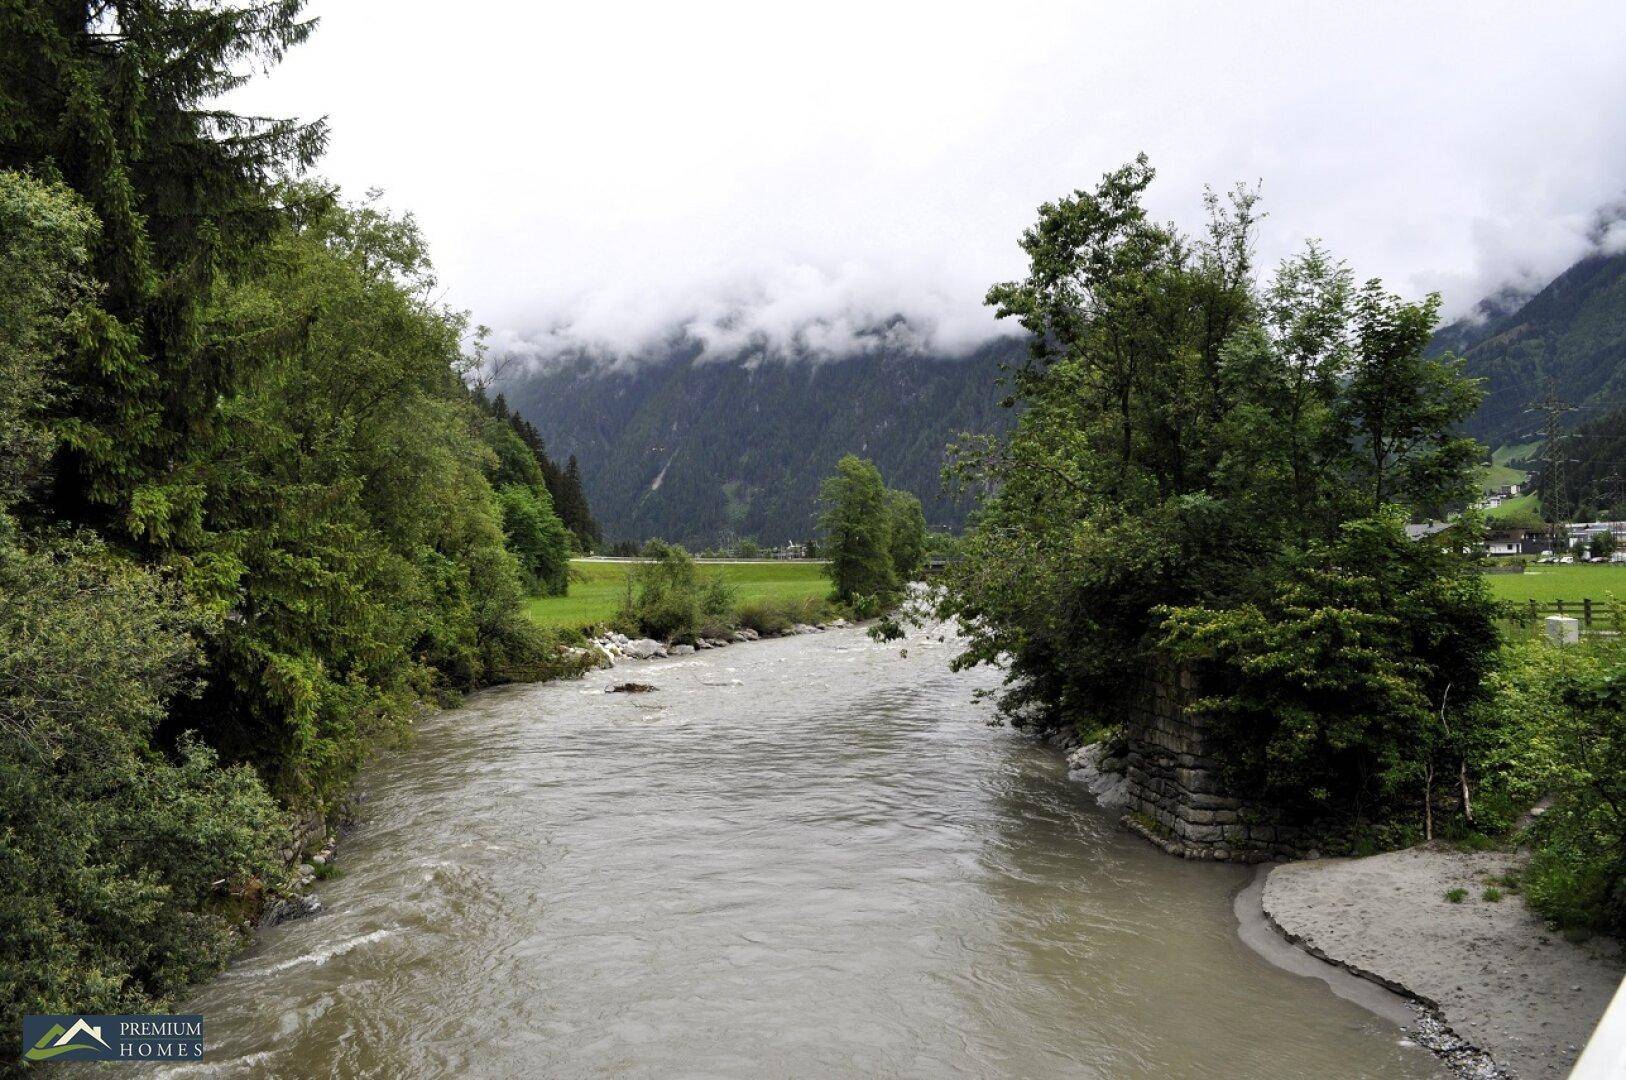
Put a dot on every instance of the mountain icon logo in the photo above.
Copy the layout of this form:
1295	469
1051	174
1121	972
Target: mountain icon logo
59	1040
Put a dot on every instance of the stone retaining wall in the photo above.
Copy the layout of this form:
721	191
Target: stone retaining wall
1175	793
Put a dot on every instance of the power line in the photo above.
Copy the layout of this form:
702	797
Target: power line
1553	410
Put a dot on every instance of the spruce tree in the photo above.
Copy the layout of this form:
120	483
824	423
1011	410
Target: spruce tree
117	101
906	533
578	517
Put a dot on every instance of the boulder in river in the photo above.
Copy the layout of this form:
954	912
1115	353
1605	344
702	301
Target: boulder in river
680	650
630	688
645	648
289	908
1100	772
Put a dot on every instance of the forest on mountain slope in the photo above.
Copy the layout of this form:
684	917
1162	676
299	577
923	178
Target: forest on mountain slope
1570	337
706	450
702	450
1592	485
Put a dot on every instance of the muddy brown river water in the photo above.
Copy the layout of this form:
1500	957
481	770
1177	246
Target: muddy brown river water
809	857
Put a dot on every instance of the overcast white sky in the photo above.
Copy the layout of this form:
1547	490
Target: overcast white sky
597	173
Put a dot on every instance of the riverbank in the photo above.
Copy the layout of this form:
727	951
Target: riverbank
1490	970
612	647
1481	980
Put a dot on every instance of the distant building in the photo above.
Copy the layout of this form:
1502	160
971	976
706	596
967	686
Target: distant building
1586	530
1519	542
790	550
1429	528
1501	541
1491	498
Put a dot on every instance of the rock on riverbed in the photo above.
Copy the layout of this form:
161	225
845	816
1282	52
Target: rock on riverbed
644	648
1493	972
605	650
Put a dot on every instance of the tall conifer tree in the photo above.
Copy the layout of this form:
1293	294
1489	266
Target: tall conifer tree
117	99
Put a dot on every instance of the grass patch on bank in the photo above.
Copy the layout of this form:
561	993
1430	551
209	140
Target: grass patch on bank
597	589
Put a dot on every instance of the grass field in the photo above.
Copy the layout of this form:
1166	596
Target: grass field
1544	584
1495	476
1499	473
1517	508
1515	452
597	588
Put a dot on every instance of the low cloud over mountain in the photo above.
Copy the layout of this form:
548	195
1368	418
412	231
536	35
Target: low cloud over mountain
744	172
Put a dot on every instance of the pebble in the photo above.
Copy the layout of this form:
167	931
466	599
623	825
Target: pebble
1464	1060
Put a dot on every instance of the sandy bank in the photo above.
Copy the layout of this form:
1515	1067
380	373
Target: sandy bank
1492	971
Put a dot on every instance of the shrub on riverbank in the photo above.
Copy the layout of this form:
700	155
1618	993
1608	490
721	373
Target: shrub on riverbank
1556	724
115	856
671	598
667	598
772	617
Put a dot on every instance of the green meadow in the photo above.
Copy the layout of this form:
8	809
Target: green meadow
1546	583
597	588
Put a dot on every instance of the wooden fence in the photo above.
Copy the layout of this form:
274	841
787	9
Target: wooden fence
1585	610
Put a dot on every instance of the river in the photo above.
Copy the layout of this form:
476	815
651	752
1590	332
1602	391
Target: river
808	857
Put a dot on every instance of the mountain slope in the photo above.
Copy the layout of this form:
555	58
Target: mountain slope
700	451
1594	483
1572	332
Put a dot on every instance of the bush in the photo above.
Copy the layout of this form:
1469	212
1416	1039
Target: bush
1555	727
1327	696
118	862
771	617
667	598
765	617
